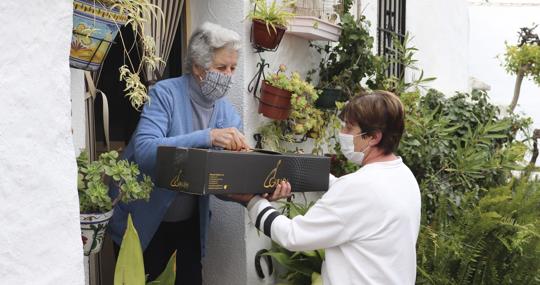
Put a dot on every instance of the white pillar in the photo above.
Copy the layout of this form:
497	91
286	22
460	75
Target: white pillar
40	240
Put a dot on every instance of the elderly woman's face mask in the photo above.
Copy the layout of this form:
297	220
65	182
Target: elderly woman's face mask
215	84
217	79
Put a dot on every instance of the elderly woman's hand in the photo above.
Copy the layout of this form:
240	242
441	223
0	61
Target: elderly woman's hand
229	138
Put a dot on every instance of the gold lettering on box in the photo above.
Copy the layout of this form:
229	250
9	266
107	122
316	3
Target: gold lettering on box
271	181
215	181
177	182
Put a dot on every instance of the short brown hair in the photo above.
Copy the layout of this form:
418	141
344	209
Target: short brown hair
377	111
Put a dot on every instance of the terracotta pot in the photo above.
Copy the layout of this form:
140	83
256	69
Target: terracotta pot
93	227
89	51
275	103
266	38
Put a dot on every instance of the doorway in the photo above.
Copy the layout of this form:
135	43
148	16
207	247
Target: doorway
123	119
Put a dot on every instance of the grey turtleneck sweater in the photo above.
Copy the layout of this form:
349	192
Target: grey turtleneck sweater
183	206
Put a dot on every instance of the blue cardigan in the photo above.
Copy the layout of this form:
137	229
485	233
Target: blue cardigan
167	120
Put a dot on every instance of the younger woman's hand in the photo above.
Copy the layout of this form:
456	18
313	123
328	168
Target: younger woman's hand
283	190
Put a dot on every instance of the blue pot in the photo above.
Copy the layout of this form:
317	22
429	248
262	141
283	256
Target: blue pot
95	26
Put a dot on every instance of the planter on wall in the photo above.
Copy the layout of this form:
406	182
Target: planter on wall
93	227
89	49
275	103
328	98
263	37
313	29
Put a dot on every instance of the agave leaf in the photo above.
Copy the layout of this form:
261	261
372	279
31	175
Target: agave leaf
168	275
130	266
316	279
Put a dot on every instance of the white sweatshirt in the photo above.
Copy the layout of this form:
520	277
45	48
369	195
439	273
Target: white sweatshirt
368	222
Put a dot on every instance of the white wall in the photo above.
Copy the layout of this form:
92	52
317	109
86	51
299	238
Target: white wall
225	261
491	26
233	241
440	31
40	240
78	125
295	53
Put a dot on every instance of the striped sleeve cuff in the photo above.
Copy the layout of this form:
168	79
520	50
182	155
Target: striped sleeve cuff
263	214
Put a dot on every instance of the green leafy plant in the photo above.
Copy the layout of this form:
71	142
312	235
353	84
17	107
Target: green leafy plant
459	145
95	176
272	14
523	60
302	267
345	65
130	264
463	153
402	53
495	240
137	12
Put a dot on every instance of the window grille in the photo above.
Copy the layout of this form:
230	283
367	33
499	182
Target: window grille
391	24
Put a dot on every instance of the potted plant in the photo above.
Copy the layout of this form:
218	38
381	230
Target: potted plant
345	65
297	118
276	93
96	24
331	92
280	92
96	206
269	22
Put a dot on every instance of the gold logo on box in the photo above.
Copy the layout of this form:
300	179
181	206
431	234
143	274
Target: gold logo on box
271	181
177	182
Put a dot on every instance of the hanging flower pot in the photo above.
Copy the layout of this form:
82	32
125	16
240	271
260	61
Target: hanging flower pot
93	227
266	37
328	98
275	103
95	26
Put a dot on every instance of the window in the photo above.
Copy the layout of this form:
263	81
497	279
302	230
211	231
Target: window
391	24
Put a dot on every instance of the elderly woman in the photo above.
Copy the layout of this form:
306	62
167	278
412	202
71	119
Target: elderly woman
188	111
368	221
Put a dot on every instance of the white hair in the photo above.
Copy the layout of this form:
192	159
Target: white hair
205	41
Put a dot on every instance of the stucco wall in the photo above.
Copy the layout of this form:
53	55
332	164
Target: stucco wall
40	238
233	241
295	53
440	31
225	254
491	26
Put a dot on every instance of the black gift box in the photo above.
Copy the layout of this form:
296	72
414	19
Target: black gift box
205	171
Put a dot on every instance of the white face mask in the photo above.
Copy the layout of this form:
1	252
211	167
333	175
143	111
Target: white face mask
215	85
347	148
